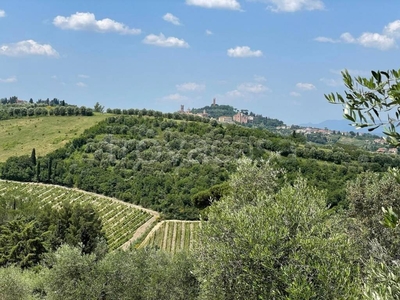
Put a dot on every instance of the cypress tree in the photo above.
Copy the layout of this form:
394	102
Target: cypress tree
33	157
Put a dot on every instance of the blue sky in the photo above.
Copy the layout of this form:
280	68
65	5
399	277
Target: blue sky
273	57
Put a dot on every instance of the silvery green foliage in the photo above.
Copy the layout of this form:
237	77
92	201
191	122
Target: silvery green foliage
253	181
259	243
369	100
382	276
366	197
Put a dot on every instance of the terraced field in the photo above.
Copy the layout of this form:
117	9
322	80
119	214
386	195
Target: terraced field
172	235
123	222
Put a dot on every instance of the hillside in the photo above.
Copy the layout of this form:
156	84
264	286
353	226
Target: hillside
45	134
172	163
123	223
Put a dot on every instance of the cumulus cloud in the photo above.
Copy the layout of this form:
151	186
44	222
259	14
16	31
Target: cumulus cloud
254	88
392	29
305	86
294	5
2	13
83	76
172	19
87	21
209	32
28	47
162	41
190	86
175	97
221	4
9	79
81	84
295	94
382	41
244	51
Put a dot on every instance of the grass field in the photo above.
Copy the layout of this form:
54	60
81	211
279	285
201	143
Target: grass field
172	235
45	134
123	223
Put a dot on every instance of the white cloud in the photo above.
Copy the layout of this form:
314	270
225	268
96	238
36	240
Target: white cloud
209	32
221	4
347	38
175	97
54	77
295	94
384	41
392	29
243	51
294	5
83	76
305	86
324	39
9	79
2	13
234	94
259	78
28	47
254	88
172	19
331	82
376	40
81	84
190	86
162	41
87	21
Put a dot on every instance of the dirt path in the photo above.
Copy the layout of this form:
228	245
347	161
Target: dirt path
174	238
139	232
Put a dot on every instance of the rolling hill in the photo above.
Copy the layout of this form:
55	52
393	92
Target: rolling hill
45	134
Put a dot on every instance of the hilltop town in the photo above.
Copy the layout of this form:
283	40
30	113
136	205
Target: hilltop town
227	114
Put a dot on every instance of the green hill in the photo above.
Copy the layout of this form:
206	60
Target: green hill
172	163
45	134
215	111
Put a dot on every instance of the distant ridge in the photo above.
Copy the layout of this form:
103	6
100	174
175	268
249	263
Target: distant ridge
342	125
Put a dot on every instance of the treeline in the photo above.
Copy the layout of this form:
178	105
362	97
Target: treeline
30	110
15	100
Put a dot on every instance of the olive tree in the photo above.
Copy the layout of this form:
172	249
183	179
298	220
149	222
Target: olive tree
259	243
372	102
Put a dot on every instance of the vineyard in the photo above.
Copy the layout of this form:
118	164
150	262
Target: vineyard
122	222
172	236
